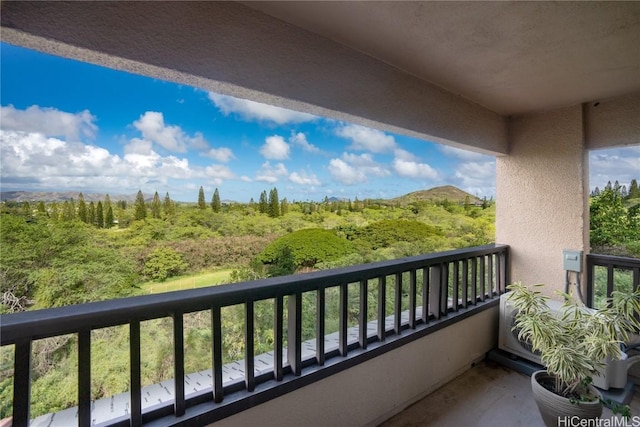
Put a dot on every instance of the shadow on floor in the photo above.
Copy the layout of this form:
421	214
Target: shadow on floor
489	394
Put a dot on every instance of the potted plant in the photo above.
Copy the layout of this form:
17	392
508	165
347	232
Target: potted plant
572	344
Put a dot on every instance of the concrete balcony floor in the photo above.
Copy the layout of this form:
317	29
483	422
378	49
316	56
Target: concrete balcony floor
489	394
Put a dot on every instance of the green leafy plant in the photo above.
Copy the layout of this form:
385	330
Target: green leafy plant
574	342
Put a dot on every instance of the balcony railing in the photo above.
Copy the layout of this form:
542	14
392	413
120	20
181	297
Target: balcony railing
607	273
428	293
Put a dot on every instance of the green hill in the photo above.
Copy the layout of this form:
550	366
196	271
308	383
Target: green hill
448	192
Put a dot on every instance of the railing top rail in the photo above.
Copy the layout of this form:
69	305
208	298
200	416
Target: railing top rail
616	261
37	324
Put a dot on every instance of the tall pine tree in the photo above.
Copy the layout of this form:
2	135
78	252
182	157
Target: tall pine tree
263	205
99	215
91	214
634	191
215	201
106	206
274	204
201	203
168	205
108	218
140	207
155	206
82	208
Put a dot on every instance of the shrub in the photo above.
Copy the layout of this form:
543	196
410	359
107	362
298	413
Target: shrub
385	233
164	263
307	247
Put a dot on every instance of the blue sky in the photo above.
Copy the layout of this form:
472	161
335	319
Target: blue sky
71	126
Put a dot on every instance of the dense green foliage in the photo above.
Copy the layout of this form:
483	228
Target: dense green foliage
58	253
307	247
385	233
615	220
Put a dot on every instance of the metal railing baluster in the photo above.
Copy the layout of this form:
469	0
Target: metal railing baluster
178	363
294	338
249	362
343	319
412	298
363	315
134	368
278	342
321	311
382	307
22	383
216	353
397	305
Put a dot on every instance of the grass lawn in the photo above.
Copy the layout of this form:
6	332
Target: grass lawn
196	281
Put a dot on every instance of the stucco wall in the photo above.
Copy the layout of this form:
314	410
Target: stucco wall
613	122
542	194
371	392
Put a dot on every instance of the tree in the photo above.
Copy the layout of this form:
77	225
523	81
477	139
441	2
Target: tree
41	208
108	218
99	215
263	205
201	202
274	204
284	207
155	206
91	213
307	247
608	218
140	207
164	263
26	208
55	211
106	206
67	211
634	191
215	201
82	208
168	206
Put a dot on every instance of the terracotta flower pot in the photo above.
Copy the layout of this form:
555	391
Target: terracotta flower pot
554	407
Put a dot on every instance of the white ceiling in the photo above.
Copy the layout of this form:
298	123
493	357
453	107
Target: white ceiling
510	57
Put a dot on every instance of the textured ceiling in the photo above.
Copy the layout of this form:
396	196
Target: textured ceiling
511	57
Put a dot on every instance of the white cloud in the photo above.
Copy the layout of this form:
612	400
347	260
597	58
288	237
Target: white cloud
346	173
222	154
300	139
31	161
478	178
49	121
138	146
414	170
256	111
303	179
218	173
353	169
462	154
271	174
616	164
367	139
275	148
401	154
151	125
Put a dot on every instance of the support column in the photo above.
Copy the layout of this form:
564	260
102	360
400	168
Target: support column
542	192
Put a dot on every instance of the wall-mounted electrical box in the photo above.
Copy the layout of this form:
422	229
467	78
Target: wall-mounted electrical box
572	260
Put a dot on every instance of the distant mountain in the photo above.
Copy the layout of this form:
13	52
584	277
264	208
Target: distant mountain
449	192
60	196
